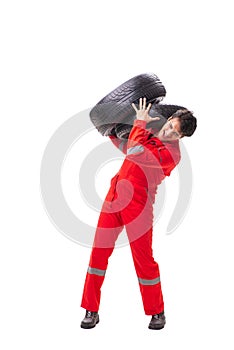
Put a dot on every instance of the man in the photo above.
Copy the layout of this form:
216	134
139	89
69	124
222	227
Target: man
129	202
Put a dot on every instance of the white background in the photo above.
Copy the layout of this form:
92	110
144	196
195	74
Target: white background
59	58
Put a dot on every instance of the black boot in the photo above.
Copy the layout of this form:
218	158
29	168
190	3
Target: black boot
158	321
90	320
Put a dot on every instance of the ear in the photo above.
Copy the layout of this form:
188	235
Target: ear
170	118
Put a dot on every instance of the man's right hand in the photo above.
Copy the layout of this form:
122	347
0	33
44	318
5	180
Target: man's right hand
143	112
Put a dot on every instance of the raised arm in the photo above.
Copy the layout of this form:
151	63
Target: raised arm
160	155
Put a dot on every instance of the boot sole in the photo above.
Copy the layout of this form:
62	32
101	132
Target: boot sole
86	326
156	328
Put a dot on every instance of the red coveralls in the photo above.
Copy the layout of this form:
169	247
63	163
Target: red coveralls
129	203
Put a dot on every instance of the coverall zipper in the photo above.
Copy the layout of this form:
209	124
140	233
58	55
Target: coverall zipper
148	195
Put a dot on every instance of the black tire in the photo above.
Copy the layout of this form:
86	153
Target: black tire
115	108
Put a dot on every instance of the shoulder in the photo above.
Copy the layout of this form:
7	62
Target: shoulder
174	148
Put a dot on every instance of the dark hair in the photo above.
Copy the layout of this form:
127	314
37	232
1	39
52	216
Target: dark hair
188	122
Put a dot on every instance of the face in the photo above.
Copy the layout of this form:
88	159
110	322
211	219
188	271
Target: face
170	130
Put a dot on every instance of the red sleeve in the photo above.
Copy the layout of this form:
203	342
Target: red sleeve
158	155
120	144
139	133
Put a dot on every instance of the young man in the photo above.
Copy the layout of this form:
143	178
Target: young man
129	202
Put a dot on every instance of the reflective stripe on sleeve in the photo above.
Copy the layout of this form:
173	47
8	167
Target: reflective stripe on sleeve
97	272
149	282
135	149
121	145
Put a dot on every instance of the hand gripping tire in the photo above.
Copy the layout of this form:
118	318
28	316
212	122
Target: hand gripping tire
115	108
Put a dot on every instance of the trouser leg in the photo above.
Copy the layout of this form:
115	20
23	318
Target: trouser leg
147	271
95	277
108	229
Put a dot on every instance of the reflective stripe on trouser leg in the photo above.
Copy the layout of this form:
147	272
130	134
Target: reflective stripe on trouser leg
149	282
94	271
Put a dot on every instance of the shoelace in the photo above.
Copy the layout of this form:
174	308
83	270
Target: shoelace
88	314
156	316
